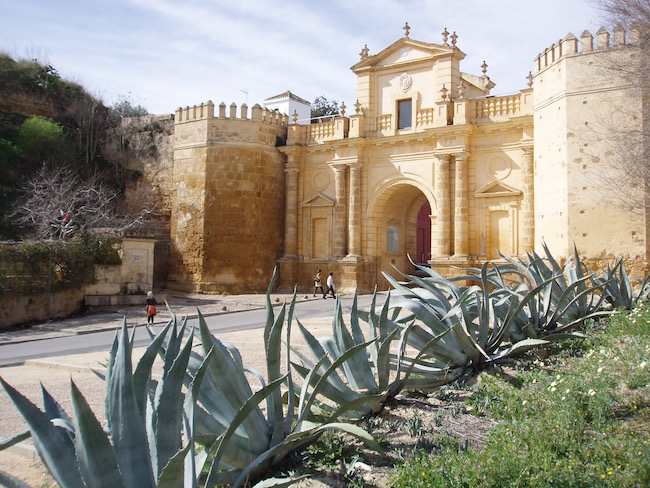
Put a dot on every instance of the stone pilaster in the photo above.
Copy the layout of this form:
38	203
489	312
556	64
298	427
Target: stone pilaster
461	215
354	213
528	204
291	212
442	237
340	217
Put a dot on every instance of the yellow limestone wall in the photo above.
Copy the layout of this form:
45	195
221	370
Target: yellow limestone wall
228	204
581	107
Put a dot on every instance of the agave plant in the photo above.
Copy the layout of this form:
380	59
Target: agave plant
355	373
143	445
567	296
476	320
618	288
243	440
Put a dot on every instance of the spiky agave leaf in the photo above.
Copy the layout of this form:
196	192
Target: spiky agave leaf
55	453
229	376
168	403
95	454
214	475
15	439
127	429
193	463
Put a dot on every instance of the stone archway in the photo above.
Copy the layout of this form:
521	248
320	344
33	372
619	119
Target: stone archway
392	226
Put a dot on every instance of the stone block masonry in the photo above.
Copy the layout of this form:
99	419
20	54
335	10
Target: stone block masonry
227	219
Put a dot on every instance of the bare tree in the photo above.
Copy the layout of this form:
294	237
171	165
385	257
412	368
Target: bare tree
57	205
123	144
89	119
626	131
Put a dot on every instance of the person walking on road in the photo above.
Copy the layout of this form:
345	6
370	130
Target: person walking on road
151	307
330	286
318	284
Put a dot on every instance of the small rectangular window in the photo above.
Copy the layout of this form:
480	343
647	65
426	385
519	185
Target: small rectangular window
404	114
393	239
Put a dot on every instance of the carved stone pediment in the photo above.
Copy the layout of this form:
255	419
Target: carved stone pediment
319	199
496	189
405	50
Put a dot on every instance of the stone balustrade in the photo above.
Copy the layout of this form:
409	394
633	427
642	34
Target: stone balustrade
424	118
465	111
494	108
299	134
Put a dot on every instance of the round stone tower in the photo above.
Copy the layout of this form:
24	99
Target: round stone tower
227	220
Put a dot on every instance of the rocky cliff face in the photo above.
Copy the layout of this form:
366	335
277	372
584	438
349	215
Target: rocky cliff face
16	106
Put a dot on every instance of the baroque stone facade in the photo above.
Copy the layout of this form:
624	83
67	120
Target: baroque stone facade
429	165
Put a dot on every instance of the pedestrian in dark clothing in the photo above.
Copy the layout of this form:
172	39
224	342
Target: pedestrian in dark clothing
151	308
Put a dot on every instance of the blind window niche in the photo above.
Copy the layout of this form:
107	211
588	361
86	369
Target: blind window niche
392	238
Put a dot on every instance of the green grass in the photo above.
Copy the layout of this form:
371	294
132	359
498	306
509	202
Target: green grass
580	417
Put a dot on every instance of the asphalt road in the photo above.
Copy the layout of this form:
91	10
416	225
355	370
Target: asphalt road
17	353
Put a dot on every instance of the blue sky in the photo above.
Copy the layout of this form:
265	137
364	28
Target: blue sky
164	53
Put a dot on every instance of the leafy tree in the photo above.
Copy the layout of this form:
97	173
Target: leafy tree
40	141
323	107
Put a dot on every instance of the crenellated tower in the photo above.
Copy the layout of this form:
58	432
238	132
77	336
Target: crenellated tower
227	219
583	106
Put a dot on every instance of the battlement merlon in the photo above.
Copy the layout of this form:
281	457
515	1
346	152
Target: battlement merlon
570	45
206	111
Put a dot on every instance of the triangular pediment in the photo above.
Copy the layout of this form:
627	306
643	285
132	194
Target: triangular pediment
496	189
319	199
405	51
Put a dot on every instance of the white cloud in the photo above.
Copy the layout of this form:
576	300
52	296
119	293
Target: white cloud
166	54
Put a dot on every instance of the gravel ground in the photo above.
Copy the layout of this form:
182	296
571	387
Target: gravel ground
20	466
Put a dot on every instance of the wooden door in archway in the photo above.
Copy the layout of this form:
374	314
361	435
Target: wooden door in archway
424	234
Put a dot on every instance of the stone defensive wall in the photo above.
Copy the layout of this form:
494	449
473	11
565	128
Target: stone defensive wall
571	45
261	127
227	218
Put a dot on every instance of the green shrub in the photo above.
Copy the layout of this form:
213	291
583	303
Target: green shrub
24	265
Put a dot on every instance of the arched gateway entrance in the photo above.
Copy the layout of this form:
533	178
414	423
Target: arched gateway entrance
399	225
